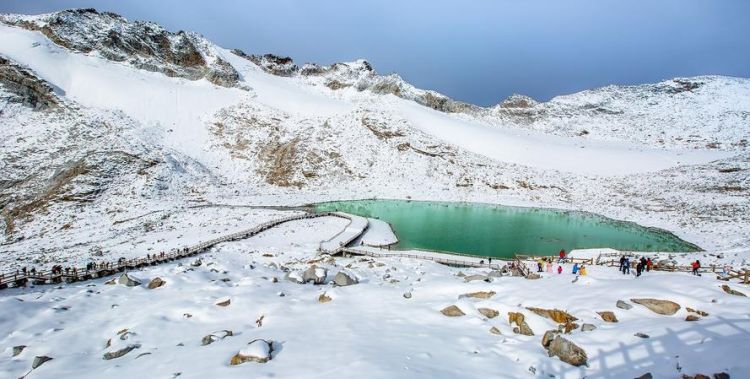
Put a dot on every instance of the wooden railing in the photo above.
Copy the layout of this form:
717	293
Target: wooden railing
74	274
451	262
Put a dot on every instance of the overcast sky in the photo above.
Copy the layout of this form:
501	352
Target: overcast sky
479	51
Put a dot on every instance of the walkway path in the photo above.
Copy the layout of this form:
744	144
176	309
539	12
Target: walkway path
357	226
19	278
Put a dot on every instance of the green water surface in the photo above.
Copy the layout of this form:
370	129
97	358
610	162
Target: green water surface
502	231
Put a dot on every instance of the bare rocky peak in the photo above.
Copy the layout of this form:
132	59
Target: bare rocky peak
144	45
516	101
25	87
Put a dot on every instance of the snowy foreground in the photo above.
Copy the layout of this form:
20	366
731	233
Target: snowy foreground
388	325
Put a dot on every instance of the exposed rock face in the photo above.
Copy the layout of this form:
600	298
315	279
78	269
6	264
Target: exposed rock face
143	45
521	326
39	360
259	351
128	281
30	90
555	315
119	353
452	311
567	351
479	294
662	307
730	291
488	312
516	101
270	63
623	305
344	279
156	283
608	316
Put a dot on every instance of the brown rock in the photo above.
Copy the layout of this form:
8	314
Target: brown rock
608	316
224	303
119	353
323	298
495	330
479	295
521	326
730	291
662	307
567	351
156	283
259	351
452	311
556	315
692	317
700	313
569	327
548	337
488	312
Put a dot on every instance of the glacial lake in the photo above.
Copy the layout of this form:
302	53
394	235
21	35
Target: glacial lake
502	231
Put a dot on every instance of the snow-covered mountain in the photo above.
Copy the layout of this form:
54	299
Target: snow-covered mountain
105	120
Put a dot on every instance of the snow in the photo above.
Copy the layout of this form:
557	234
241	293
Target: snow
258	348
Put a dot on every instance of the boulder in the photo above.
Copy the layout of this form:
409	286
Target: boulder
479	294
608	316
295	277
488	312
568	327
533	275
39	360
662	307
259	351
495	330
567	351
588	327
641	335
472	278
323	298
18	349
521	326
556	315
156	283
344	279
495	274
224	302
215	336
692	317
646	376
548	337
452	311
407	295
119	353
730	291
197	263
314	274
623	305
698	312
721	375
128	281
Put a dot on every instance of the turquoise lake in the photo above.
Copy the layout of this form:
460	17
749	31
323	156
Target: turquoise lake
502	231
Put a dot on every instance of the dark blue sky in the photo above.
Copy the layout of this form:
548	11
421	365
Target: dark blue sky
479	51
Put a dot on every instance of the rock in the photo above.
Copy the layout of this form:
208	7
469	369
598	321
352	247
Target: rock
692	317
567	351
156	283
495	274
39	360
407	295
259	351
323	298
646	376
730	291
721	375
521	326
641	335
488	312
224	303
472	278
700	313
344	279
452	311
623	305
608	316
568	327
495	330
119	353
314	274
588	327
111	282
662	307
533	275
548	337
215	336
460	274
128	281
18	349
197	263
479	295
556	315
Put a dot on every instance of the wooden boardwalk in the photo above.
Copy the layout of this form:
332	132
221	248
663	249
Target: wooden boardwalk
75	274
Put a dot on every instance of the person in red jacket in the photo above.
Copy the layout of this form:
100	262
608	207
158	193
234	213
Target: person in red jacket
696	267
562	256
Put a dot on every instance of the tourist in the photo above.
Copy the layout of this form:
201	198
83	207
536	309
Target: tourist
643	264
562	256
559	269
626	266
696	267
575	268
489	262
539	265
638	269
549	267
649	264
582	271
622	262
